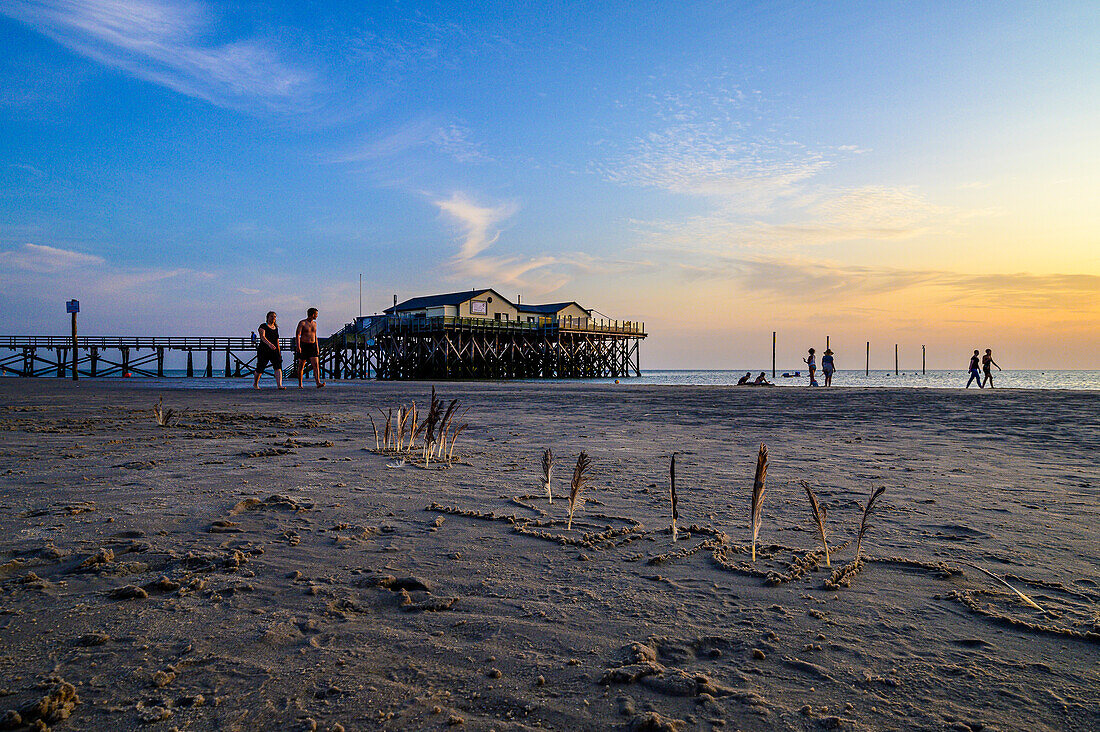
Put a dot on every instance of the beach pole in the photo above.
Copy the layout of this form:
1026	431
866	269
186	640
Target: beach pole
895	359
75	376
923	361
867	367
826	343
773	354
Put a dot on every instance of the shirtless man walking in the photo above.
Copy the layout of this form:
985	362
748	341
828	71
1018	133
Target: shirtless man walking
305	338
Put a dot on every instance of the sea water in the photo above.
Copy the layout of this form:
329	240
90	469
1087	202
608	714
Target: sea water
951	379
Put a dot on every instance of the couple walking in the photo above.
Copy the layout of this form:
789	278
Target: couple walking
987	364
827	366
306	349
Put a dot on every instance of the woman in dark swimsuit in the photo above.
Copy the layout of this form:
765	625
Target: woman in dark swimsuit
267	352
987	359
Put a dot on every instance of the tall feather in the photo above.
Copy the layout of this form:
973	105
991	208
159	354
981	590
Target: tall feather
863	521
580	480
672	493
547	469
819	518
758	494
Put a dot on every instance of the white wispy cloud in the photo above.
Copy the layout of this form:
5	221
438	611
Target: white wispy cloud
479	228
44	259
754	187
450	139
170	43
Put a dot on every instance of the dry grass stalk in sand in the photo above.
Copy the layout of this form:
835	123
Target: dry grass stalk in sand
164	417
402	418
863	521
581	477
435	412
1027	600
547	469
386	431
412	426
444	426
819	518
672	494
377	447
454	439
758	494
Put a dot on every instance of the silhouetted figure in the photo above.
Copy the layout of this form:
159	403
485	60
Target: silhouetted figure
975	374
987	360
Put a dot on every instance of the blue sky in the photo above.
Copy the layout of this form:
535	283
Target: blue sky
914	172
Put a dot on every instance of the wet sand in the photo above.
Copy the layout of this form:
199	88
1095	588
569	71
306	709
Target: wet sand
260	566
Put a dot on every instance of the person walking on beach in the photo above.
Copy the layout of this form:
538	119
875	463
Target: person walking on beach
827	367
811	361
267	351
975	375
987	360
305	342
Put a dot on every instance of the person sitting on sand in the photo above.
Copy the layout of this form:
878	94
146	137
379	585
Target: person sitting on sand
987	359
811	361
975	375
761	379
305	340
827	366
744	379
267	352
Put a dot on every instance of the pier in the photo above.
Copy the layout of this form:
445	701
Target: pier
392	346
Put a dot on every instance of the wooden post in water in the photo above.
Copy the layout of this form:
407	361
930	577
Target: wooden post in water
190	365
773	354
923	361
867	367
228	373
826	343
895	359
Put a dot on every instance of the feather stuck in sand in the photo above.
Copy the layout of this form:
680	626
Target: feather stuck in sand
672	493
758	494
547	469
819	518
863	521
580	480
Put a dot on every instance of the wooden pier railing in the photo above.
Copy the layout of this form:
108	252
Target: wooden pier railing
384	347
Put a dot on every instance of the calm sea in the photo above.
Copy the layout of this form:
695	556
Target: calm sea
955	379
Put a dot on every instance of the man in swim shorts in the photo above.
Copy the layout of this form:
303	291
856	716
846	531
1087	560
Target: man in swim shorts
975	374
744	379
305	338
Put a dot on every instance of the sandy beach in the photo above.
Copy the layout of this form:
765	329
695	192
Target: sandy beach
260	566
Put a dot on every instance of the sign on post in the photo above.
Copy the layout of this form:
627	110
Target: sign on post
72	306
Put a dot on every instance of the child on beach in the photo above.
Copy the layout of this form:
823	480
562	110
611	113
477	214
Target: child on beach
812	363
